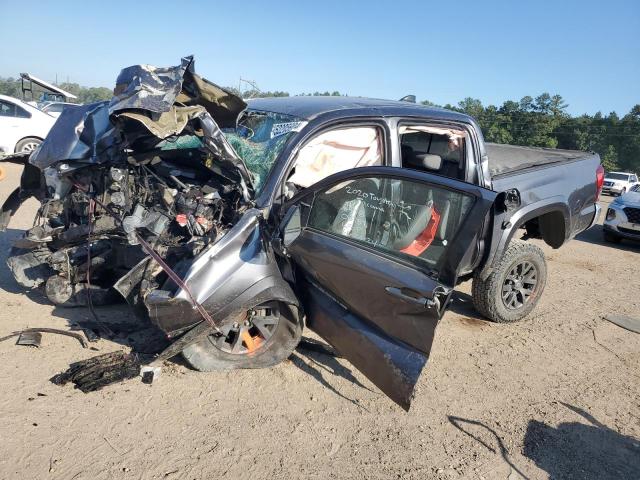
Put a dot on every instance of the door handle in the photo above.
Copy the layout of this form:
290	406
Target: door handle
424	301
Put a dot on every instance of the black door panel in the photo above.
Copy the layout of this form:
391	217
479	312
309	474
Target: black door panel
391	365
361	280
376	267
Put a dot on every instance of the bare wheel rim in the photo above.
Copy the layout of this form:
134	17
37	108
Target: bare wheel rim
250	332
519	285
29	147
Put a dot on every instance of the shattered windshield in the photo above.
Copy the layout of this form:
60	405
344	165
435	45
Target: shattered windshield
259	138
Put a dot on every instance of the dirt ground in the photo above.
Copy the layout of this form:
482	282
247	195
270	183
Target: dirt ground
556	396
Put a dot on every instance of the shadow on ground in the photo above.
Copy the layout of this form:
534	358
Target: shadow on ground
570	451
462	304
489	439
317	365
576	450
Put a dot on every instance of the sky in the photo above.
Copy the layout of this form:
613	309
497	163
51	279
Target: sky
587	51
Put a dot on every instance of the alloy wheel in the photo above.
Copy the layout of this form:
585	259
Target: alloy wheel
519	285
248	333
29	147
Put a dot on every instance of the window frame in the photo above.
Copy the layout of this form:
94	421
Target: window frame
341	126
467	148
16	110
9	104
472	148
276	197
432	270
26	114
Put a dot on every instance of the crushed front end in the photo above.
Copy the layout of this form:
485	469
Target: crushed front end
131	191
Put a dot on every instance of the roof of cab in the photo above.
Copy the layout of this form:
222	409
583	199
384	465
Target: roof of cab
308	107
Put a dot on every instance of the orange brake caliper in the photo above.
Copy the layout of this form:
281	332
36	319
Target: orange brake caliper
252	343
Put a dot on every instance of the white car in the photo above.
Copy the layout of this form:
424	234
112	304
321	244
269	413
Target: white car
55	108
619	183
623	217
22	126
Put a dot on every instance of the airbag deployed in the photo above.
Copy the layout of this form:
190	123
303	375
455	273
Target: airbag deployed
336	151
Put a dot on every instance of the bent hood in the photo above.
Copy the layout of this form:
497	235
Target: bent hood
150	106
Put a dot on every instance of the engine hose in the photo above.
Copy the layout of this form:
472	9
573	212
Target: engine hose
102	326
152	253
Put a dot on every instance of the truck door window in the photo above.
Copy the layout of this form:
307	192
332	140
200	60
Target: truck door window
433	149
334	151
400	217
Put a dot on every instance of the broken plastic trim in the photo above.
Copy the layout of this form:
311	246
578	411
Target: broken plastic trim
75	335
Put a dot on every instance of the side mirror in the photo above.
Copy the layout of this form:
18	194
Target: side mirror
291	226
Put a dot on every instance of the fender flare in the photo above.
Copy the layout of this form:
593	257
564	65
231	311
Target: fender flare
520	217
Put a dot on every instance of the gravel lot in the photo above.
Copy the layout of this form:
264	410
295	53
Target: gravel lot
556	396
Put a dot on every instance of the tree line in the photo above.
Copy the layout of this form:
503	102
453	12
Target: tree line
542	121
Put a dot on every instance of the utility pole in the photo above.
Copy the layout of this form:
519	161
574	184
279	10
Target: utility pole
251	83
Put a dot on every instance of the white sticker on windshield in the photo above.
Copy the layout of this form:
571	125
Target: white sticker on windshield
282	128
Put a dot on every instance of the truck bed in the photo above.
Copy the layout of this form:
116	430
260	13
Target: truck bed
504	159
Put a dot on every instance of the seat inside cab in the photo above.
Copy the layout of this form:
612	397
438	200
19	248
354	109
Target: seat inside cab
439	151
433	149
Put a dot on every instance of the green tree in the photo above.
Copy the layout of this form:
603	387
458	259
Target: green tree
471	106
610	159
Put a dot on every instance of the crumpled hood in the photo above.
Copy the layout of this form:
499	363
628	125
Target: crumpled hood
149	105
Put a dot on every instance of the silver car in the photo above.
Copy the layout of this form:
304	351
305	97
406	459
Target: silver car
623	217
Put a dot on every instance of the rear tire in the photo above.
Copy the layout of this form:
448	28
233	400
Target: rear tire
27	145
611	237
514	288
208	356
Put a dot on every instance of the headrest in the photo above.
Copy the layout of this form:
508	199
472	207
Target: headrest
429	161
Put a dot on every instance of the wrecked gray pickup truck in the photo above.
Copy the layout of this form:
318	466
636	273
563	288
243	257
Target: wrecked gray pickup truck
229	226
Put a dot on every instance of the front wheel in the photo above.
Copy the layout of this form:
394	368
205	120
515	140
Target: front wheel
27	145
261	337
514	288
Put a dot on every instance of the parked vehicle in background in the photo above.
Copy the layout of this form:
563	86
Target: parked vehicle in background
50	92
54	108
22	126
623	217
619	183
